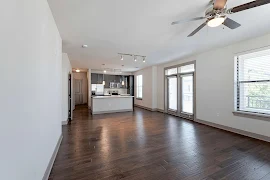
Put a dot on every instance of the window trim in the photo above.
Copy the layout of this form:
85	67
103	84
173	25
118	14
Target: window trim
139	98
237	111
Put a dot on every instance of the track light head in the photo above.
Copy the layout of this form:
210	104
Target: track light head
122	57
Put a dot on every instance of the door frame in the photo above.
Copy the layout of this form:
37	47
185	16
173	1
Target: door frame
178	113
69	98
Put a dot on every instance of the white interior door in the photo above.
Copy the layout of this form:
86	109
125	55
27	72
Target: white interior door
78	91
172	93
187	94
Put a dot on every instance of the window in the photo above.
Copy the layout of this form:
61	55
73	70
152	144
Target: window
139	86
253	82
171	71
186	68
172	93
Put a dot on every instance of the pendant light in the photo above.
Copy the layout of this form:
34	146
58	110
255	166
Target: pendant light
103	82
123	82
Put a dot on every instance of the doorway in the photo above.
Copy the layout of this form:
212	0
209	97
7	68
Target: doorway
78	92
180	90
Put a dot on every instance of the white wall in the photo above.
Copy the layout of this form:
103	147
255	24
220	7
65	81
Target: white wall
149	87
89	88
66	70
30	106
83	77
215	86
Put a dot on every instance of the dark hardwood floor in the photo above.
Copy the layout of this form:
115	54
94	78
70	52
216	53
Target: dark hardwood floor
151	145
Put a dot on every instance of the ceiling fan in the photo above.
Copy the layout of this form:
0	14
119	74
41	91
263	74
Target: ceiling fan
217	14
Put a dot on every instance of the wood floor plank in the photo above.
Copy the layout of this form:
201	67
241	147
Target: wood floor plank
151	145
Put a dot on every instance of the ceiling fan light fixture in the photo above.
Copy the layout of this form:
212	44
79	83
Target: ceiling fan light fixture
216	21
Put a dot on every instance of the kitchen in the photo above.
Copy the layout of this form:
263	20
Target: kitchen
112	93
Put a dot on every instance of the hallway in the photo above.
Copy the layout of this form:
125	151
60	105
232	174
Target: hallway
152	145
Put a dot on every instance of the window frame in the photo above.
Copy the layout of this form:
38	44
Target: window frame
238	111
137	87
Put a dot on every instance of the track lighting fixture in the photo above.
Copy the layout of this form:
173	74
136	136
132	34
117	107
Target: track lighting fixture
135	56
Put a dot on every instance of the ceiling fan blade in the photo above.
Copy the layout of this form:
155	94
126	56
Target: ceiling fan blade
231	23
219	4
187	20
249	5
197	30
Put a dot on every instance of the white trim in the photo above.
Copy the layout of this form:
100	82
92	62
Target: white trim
234	130
115	111
147	108
65	122
252	115
50	165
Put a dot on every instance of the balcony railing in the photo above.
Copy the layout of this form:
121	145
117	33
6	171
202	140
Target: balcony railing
258	102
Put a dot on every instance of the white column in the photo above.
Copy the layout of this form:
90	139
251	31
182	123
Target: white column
89	88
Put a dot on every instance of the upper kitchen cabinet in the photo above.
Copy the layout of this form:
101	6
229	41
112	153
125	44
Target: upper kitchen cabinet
107	81
100	78
94	78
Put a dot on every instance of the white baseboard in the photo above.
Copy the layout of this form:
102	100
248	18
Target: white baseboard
50	165
160	110
234	130
114	111
147	108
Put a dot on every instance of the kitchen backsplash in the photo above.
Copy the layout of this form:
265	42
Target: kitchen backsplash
120	91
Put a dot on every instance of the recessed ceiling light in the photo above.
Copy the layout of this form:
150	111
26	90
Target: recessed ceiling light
144	59
122	58
104	71
135	58
77	70
85	46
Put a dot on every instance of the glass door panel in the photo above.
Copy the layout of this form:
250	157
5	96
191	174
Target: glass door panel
172	93
187	93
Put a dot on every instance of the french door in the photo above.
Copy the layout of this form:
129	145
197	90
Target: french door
186	92
179	95
172	93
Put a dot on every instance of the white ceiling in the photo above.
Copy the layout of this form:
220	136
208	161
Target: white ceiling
143	27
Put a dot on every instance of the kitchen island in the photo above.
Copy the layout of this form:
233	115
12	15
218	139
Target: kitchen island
111	104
